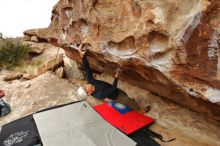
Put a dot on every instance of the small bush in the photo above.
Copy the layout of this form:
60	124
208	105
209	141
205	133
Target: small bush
13	53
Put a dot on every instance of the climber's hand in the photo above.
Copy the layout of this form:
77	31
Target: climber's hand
82	53
117	72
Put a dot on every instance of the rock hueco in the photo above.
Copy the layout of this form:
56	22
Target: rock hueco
170	47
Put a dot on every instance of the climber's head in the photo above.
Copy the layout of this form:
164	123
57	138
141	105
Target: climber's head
85	90
89	88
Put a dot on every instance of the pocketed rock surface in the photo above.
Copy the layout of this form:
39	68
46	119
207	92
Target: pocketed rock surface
170	47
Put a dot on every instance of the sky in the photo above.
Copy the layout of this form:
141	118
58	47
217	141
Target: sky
17	16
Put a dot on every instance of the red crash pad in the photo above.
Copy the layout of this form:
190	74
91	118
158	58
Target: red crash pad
123	117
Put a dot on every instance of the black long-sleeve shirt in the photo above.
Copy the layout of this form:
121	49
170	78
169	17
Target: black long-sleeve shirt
102	89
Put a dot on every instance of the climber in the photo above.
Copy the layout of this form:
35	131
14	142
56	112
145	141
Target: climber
101	90
96	88
4	107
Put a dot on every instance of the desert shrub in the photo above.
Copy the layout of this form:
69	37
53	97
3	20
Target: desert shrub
13	53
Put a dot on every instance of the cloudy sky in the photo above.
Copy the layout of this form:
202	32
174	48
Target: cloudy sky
19	15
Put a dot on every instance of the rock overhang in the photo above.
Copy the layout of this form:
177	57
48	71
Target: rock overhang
168	47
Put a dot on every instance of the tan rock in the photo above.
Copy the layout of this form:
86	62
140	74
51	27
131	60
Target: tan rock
72	71
37	50
28	76
40	33
169	47
13	76
48	90
60	72
34	39
52	64
27	86
26	38
44	91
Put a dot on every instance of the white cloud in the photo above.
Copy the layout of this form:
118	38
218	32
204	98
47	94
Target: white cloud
17	16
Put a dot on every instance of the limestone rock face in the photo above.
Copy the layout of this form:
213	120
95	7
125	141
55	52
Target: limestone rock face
36	50
34	39
60	72
170	47
44	91
51	64
37	35
13	76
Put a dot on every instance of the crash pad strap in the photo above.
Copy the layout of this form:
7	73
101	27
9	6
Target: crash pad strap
153	134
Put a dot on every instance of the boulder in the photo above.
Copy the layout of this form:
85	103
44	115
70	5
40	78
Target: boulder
26	38
37	50
60	72
28	76
169	47
13	76
71	70
44	91
40	33
34	39
51	64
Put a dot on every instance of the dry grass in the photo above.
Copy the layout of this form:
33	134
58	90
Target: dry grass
13	53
